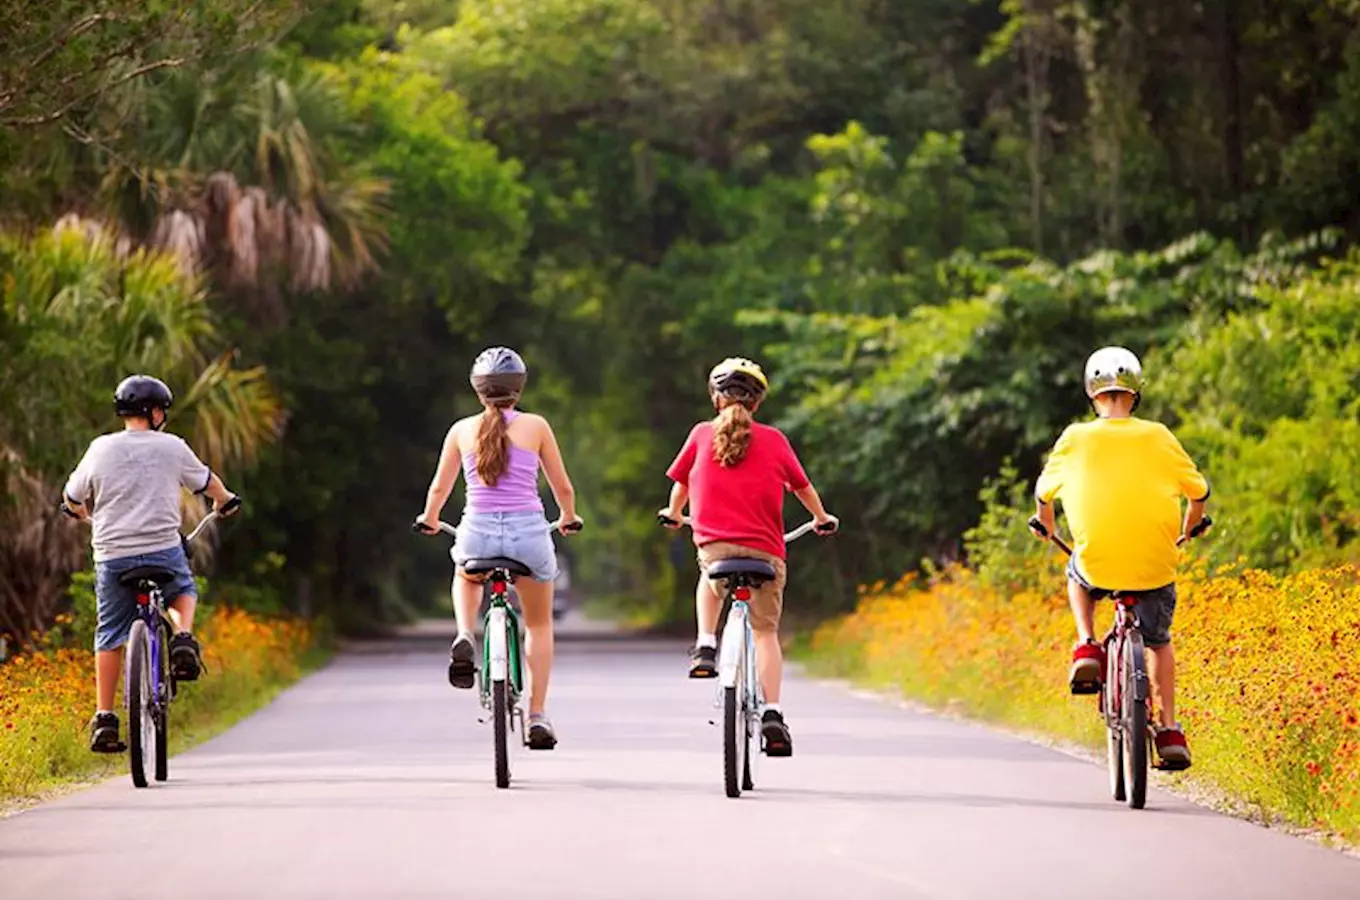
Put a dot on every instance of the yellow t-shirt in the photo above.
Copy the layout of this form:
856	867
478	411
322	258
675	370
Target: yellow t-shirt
1120	482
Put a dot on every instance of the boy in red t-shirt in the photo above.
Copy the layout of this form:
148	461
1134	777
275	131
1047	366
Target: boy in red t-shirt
733	471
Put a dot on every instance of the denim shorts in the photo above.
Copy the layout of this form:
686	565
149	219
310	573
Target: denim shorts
522	536
1156	608
117	604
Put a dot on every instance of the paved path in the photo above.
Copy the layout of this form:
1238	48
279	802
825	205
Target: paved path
372	779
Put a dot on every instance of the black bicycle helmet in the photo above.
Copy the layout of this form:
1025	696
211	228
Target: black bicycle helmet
138	395
499	373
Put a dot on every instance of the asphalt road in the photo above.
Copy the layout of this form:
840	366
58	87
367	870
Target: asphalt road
373	779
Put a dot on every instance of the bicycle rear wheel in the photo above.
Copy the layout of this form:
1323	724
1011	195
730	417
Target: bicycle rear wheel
736	736
1110	711
141	725
1135	717
500	721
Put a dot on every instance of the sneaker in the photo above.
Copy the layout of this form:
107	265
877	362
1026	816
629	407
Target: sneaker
186	657
541	734
1172	749
104	734
703	662
1088	664
774	734
462	662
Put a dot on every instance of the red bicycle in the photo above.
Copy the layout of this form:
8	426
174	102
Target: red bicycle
1125	699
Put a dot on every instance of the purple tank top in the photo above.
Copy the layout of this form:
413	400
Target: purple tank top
515	491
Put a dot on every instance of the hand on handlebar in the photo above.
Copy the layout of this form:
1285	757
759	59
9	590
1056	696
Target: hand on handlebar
570	526
670	518
827	524
1037	528
1203	525
423	527
228	509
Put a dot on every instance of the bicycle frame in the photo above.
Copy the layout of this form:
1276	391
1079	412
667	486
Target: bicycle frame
501	652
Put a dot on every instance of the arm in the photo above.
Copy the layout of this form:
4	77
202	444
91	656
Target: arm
445	477
812	501
1192	483
556	471
1050	485
675	508
77	489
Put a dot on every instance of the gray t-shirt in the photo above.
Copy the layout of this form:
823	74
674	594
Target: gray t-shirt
130	481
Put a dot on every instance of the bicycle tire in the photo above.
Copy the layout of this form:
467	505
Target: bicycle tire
138	702
162	718
1135	722
731	741
1114	733
500	719
748	778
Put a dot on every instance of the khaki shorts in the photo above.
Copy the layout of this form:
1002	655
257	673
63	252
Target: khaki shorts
767	601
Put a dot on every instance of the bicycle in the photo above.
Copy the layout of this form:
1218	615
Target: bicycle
739	694
500	678
1124	696
150	686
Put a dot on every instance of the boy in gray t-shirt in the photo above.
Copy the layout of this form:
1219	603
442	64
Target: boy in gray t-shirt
128	484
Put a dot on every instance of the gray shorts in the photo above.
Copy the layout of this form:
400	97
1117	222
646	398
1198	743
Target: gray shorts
525	537
117	605
1156	608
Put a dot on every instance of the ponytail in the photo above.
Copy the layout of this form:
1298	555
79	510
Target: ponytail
493	445
731	434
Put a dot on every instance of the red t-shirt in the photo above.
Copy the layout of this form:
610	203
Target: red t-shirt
743	504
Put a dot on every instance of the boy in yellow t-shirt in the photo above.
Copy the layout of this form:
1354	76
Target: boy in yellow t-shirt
1121	479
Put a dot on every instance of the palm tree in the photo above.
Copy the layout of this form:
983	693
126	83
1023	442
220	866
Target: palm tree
78	310
234	177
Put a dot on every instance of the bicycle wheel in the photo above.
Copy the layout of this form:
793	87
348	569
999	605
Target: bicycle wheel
1135	721
748	780
141	726
500	720
750	719
162	717
732	726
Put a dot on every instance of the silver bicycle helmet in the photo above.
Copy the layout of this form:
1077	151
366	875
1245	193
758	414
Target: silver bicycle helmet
499	373
1113	369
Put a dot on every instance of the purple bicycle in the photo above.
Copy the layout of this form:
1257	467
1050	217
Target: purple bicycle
150	685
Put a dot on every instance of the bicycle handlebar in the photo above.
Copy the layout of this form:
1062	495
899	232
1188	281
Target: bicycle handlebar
1038	528
789	537
444	527
227	509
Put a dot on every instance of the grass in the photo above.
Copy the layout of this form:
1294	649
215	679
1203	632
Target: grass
1268	688
46	699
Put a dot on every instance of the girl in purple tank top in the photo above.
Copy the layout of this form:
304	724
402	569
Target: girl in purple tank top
500	452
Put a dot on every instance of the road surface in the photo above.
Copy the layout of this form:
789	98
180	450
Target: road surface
373	779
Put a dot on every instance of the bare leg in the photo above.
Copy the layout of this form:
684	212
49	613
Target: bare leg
108	666
1162	670
769	664
182	612
707	605
467	596
535	598
1083	610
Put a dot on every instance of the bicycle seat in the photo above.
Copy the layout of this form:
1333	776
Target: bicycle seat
757	570
134	577
491	564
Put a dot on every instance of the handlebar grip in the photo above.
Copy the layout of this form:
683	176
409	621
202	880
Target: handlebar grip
1204	525
420	527
667	521
66	510
231	505
1037	526
828	528
574	527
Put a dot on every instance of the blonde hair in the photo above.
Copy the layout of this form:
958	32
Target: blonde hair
731	432
493	443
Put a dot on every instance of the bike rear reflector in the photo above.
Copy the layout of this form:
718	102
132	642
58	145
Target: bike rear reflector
742	593
498	587
143	599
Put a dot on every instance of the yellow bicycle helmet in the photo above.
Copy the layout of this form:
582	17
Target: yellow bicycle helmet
738	375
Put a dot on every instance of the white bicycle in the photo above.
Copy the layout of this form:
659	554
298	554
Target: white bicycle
739	694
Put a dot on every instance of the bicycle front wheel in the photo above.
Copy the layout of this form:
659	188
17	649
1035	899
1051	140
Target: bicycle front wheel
1135	695
140	704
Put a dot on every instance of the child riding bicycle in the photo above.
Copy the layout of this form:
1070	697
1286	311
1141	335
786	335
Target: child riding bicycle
500	451
128	485
734	471
1120	480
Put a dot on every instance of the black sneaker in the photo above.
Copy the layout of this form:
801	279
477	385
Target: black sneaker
541	734
462	662
775	735
703	662
104	734
186	657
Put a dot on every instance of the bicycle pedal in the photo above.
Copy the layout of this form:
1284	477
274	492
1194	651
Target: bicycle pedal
1085	688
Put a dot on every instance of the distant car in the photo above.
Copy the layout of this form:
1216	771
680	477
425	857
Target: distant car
560	587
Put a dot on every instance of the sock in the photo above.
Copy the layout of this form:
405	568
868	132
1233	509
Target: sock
465	634
103	712
774	707
707	639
